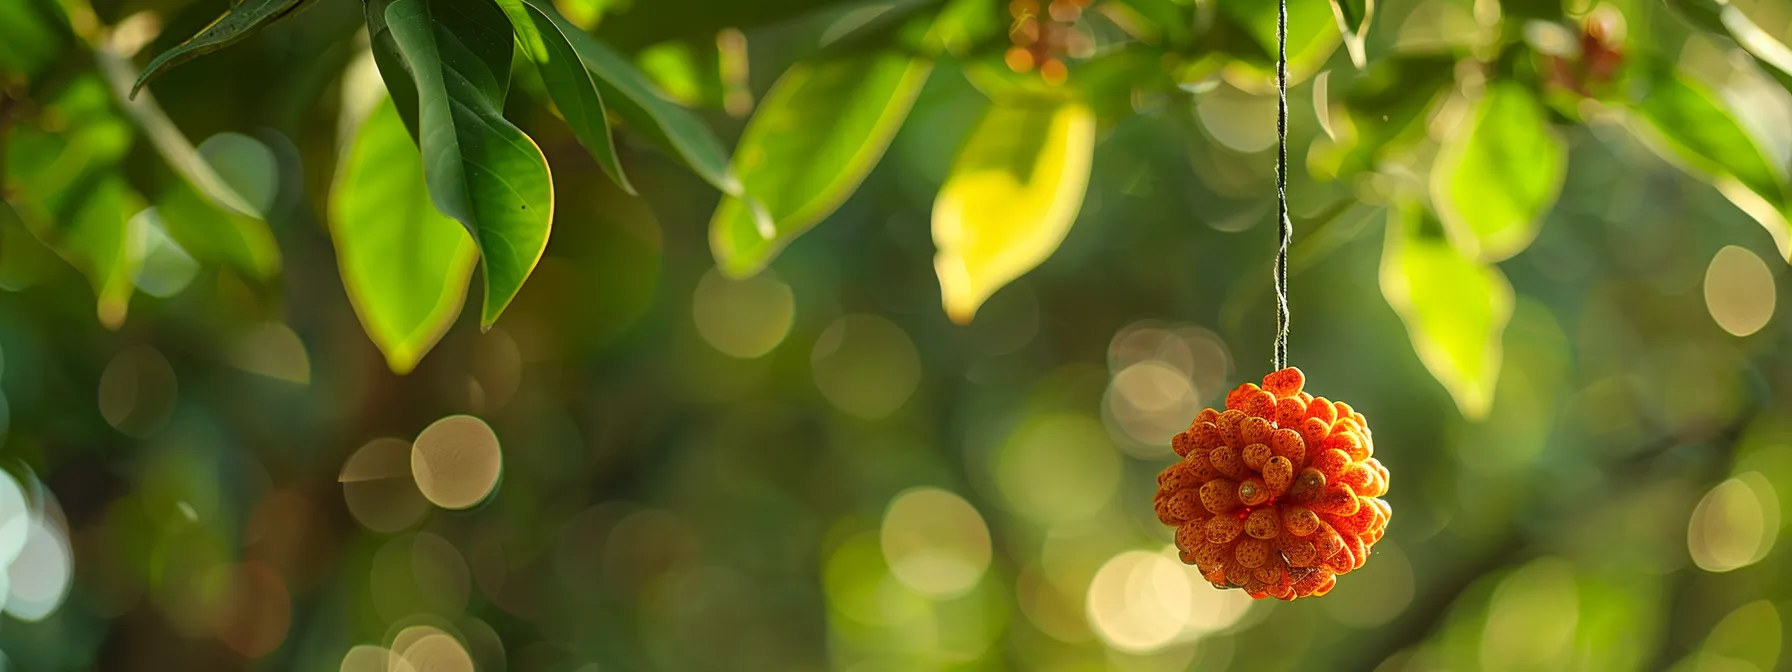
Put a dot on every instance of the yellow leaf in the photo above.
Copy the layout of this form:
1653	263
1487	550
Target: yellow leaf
1011	197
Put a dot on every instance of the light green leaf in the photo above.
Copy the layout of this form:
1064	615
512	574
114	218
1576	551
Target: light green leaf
1496	178
67	190
217	235
482	171
569	83
1685	122
631	96
1353	21
1719	16
819	131
243	20
1009	200
1455	308
167	138
405	265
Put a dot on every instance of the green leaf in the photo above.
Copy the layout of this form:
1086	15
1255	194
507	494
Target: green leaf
1455	308
1353	21
243	20
405	265
1009	200
217	235
1311	38
393	69
1685	122
174	147
631	96
67	190
29	40
482	171
1381	108
569	83
819	131
1719	16
1495	179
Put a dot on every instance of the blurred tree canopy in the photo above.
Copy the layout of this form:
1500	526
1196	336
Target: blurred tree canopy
1574	200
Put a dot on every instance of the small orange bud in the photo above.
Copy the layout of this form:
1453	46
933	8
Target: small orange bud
1288	443
1227	460
1252	491
1224	529
1260	404
1289	412
1255	456
1278	474
1263	523
1219	496
1285	383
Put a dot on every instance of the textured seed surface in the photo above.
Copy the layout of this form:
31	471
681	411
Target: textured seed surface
1278	494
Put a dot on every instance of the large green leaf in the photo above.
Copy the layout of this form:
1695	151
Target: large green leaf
404	264
631	96
568	82
1455	308
1719	16
174	147
482	171
1685	122
1353	21
241	21
29	38
1010	199
819	131
1495	178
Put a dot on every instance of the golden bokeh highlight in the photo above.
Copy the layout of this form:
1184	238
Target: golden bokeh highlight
865	365
1161	375
272	350
1739	291
456	461
367	658
1735	524
137	391
1140	601
438	652
743	318
935	542
1057	468
378	488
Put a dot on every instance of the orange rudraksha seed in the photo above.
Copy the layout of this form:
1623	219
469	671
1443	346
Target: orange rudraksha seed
1278	494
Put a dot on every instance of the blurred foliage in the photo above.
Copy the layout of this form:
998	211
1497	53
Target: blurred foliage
248	426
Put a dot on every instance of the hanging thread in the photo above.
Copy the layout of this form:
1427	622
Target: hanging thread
1280	355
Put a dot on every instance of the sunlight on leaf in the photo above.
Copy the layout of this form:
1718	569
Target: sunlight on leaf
1353	21
1455	309
243	20
1009	200
1496	178
813	139
405	266
215	234
570	84
631	96
482	170
1686	123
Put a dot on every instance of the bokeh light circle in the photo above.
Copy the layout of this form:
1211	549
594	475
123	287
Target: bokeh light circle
1057	468
935	542
456	461
1730	528
378	488
865	365
1739	291
743	318
1139	601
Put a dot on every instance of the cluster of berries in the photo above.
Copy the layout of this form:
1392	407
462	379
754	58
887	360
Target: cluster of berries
1042	39
1278	494
1596	64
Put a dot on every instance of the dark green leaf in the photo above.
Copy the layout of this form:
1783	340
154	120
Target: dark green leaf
241	21
393	69
818	132
1686	123
405	266
570	84
1495	178
482	171
627	92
